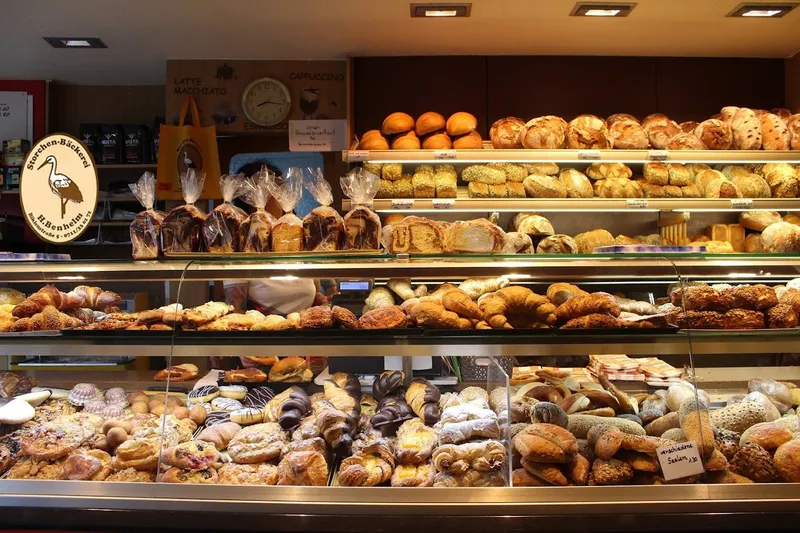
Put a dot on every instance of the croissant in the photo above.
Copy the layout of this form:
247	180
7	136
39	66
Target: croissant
558	293
423	397
459	458
334	427
349	383
379	297
389	383
516	301
86	316
460	303
371	466
96	298
433	315
48	320
597	303
47	296
415	442
476	287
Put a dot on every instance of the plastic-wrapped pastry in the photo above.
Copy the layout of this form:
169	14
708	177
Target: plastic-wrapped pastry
472	478
458	432
221	227
181	229
323	227
362	227
255	232
146	227
287	232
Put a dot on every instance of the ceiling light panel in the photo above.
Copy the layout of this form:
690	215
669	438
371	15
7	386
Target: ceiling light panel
75	42
596	10
440	10
752	10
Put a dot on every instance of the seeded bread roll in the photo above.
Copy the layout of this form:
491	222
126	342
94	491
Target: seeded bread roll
672	191
446	183
424	185
685	141
678	175
478	190
548	169
774	133
515	190
540	186
714	134
547	133
498	191
782	180
628	134
385	189
690	191
746	130
576	183
505	133
404	187
752	186
601	171
656	173
660	129
515	173
653	191
483	174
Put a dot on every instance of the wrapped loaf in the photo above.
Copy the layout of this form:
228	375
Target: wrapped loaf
181	229
221	227
323	227
255	233
287	232
146	227
362	226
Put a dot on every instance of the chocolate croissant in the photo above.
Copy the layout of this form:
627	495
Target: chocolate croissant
392	411
389	383
294	409
423	397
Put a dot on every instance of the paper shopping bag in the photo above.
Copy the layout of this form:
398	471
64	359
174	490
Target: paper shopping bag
182	148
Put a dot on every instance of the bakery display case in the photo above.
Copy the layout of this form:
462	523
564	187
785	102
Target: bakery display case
496	417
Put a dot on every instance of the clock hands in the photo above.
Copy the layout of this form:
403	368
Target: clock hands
268	102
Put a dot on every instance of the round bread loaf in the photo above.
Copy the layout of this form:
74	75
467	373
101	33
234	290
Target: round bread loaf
689	126
714	134
685	141
461	123
397	123
726	114
752	244
590	240
759	220
774	133
787	461
721	188
534	225
752	186
588	132
406	141
437	141
577	184
557	244
628	134
793	125
660	129
428	123
746	128
617	117
505	133
470	141
781	237
544	133
541	186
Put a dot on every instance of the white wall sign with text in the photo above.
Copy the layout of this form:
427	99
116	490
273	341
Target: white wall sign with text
317	135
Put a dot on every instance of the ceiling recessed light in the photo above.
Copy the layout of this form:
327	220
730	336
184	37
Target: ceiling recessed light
583	9
440	10
75	42
762	10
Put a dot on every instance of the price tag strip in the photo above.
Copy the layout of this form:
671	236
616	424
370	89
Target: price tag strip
657	155
443	203
637	203
589	155
742	203
679	460
444	155
402	203
358	155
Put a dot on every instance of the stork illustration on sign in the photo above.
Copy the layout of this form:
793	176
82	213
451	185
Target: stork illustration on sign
63	187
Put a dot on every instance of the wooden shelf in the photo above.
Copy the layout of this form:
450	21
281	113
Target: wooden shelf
124	166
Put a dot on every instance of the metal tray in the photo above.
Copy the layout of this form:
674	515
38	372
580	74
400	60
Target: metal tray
602	332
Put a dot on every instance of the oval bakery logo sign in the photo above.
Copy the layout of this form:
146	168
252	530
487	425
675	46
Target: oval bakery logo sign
58	188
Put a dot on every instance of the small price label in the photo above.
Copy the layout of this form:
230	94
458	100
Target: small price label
657	155
402	203
680	460
368	205
443	203
444	155
357	155
637	203
589	155
742	203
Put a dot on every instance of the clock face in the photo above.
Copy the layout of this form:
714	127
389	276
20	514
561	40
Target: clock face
266	102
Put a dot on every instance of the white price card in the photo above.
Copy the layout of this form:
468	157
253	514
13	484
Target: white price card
443	203
357	155
742	203
589	155
637	203
657	155
444	155
679	460
402	203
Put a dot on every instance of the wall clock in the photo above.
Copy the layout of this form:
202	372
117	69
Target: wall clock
266	102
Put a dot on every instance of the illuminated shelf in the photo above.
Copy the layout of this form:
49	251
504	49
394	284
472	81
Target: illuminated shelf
489	154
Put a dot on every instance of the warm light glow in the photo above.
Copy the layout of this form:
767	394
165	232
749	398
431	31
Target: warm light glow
601	13
77	43
284	278
441	13
762	13
70	278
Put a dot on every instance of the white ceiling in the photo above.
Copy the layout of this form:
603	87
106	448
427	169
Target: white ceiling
141	34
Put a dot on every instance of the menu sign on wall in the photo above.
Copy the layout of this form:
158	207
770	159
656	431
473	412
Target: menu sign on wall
58	188
317	90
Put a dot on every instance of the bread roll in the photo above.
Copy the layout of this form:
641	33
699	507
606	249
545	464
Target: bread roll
461	123
679	175
498	191
660	129
376	142
618	188
483	174
718	247
781	238
793	125
385	189
653	191
397	123
404	187
470	141
685	141
782	180
544	133
406	141
746	130
726	114
515	190
617	117
656	173
752	244
541	186
774	133
424	185
590	240
505	133
548	169
530	224
588	132
759	220
628	135
715	134
437	141
689	126
601	171
577	184
478	190
515	173
672	191
690	191
392	171
557	244
428	123
752	186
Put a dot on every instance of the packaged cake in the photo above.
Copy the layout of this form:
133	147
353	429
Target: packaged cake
146	227
182	227
287	232
221	227
323	227
256	231
362	226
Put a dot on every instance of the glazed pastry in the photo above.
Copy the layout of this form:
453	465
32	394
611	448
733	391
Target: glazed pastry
303	468
235	392
137	453
423	398
500	305
598	302
178	475
415	442
203	394
258	397
389	383
258	443
392	411
192	455
88	465
371	466
335	427
250	474
421	475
